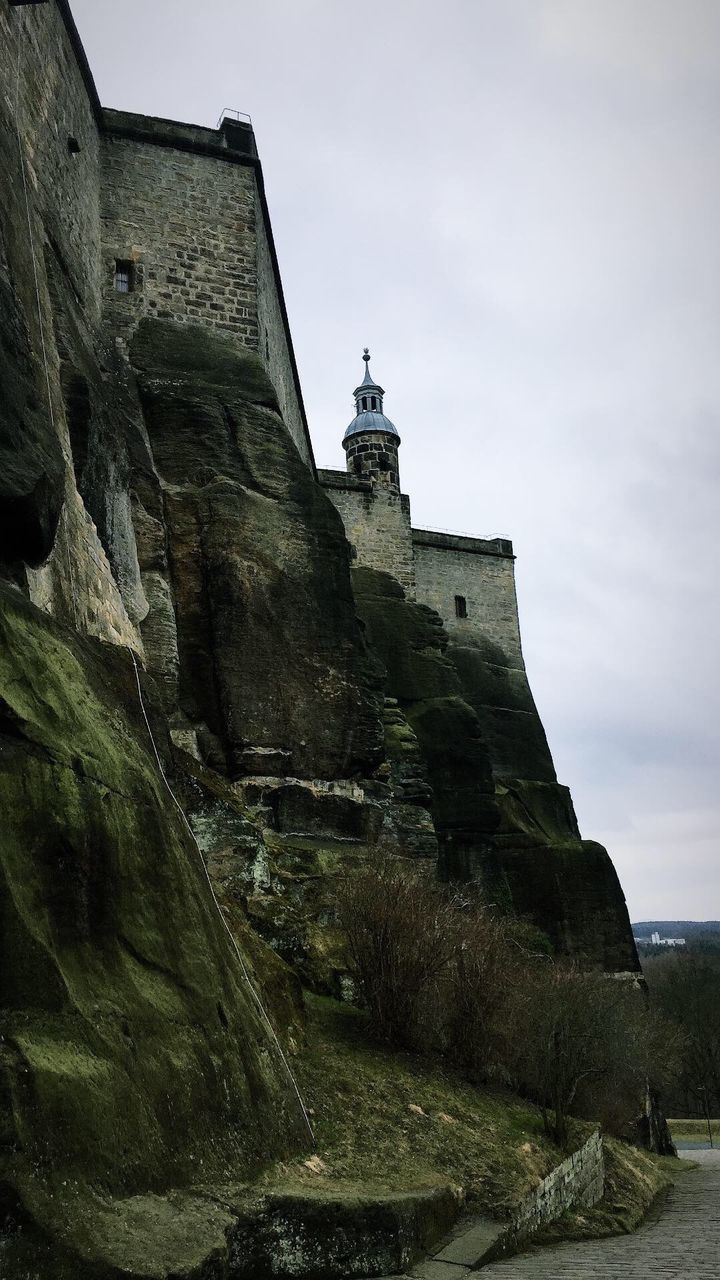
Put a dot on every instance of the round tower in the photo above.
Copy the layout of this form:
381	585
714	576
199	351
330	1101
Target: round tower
371	441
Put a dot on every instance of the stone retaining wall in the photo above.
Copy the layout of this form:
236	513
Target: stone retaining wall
472	1244
578	1182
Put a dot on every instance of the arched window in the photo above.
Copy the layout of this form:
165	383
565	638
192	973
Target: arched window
373	402
364	402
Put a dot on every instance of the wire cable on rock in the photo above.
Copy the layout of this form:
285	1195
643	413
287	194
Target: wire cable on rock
226	926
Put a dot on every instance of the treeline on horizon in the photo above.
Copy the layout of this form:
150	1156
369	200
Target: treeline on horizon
702	937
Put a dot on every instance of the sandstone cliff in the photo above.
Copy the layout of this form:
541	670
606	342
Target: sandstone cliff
156	510
499	812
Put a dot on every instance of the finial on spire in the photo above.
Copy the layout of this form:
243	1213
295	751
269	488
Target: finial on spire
367	380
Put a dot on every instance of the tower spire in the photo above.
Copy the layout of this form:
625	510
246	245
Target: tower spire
371	441
369	395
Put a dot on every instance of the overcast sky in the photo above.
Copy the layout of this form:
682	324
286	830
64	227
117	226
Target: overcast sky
516	205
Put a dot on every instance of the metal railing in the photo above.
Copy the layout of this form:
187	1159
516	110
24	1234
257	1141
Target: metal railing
459	533
229	113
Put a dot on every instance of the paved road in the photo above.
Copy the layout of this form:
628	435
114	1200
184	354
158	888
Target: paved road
683	1244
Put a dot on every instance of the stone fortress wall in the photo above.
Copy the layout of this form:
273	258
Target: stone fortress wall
377	524
56	102
166	504
479	571
185	207
187	226
433	567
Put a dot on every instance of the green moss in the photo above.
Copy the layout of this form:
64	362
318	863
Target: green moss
131	1052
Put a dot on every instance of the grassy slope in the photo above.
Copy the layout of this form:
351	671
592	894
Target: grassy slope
489	1142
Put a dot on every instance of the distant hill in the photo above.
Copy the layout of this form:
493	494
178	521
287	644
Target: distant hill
675	928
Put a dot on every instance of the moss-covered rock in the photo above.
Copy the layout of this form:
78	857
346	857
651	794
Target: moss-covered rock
411	642
500	695
132	1052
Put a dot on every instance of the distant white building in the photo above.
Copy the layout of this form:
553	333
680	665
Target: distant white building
657	941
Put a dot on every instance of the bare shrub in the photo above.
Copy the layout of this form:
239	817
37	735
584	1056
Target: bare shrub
585	1044
438	970
400	933
487	970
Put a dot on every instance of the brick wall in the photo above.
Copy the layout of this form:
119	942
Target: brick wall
578	1182
187	223
377	524
483	573
54	106
190	218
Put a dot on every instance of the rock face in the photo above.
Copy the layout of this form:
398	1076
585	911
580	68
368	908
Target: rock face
501	817
272	673
133	1053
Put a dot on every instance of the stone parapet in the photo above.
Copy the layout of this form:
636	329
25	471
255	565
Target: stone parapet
330	479
233	142
460	542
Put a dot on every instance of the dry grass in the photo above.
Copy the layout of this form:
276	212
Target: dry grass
396	1120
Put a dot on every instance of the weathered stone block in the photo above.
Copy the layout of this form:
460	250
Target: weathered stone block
336	1236
299	810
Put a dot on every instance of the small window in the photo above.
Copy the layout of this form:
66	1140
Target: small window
460	607
123	277
364	402
374	403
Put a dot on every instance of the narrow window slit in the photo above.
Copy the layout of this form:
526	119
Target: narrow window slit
123	276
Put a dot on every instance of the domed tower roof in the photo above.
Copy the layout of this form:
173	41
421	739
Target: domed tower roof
369	414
